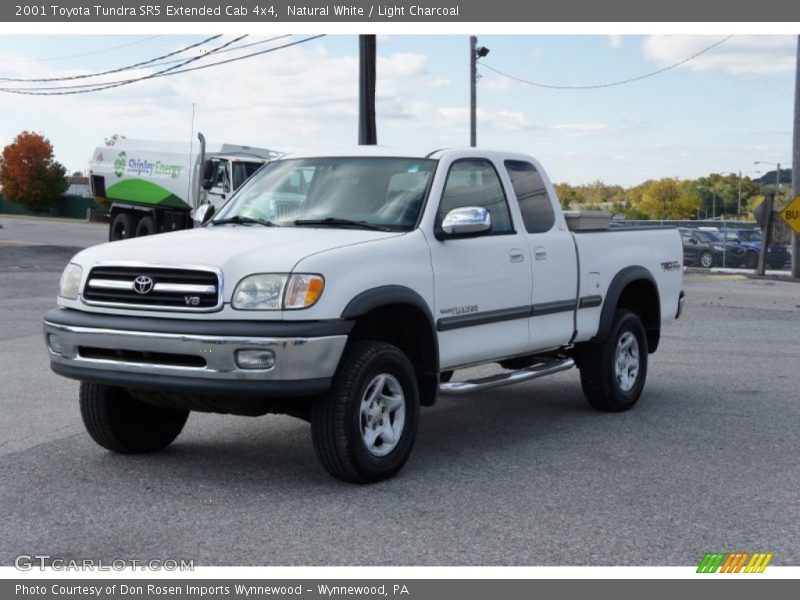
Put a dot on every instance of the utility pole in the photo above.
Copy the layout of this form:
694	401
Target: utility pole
367	130
473	92
739	205
796	162
475	52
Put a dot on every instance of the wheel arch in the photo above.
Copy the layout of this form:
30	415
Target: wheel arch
400	316
636	289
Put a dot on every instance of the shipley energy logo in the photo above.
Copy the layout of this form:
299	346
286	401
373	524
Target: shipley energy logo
734	562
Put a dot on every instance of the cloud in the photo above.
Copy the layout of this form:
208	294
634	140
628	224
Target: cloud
615	41
580	128
300	96
495	84
741	54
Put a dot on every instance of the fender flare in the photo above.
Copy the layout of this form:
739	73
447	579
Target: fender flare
387	295
621	280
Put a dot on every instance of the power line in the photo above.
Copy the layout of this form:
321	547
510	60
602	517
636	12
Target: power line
612	83
109	72
93	53
153	62
164	73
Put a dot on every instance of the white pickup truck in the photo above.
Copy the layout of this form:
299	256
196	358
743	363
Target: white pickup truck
354	308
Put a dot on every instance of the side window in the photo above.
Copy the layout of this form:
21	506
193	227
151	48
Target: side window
221	176
534	202
474	182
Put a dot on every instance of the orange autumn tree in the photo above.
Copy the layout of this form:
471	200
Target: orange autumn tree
29	174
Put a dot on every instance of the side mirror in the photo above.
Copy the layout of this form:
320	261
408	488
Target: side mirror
468	220
204	212
206	184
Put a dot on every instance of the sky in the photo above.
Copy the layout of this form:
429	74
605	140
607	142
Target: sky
719	112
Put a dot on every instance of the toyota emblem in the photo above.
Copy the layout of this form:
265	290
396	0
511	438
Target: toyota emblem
143	284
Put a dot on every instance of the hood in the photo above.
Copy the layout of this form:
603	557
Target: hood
235	249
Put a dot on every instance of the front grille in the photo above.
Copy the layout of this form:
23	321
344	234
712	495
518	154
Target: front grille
146	358
152	287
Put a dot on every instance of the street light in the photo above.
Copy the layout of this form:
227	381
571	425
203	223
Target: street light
475	52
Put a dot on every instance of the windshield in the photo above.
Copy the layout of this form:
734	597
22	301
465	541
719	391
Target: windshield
750	235
710	236
242	171
383	192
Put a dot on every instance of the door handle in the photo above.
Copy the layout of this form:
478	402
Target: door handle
539	253
515	255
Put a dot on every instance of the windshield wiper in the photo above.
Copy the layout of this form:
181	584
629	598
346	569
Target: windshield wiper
244	221
337	222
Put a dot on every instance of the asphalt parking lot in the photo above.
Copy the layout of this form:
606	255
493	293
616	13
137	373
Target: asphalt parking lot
524	475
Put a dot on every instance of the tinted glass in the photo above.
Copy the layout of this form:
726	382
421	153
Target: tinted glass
474	182
534	202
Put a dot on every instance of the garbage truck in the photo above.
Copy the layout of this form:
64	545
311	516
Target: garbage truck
153	187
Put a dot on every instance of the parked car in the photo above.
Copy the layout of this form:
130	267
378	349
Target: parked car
750	239
708	249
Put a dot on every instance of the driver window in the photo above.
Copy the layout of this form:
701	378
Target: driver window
221	177
474	182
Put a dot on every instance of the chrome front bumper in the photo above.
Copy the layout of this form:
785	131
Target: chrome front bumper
188	361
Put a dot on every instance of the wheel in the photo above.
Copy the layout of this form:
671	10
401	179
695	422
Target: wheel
706	260
146	226
122	227
751	260
120	423
365	429
613	371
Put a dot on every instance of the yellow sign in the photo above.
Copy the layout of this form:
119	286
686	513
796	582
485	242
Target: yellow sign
791	214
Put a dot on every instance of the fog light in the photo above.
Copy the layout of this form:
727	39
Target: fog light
55	345
255	359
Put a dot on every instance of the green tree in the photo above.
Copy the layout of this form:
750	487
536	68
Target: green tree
29	174
669	199
567	195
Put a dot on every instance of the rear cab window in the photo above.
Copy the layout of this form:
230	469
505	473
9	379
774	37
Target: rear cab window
534	201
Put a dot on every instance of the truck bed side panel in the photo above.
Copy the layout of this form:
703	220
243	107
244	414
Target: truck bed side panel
603	254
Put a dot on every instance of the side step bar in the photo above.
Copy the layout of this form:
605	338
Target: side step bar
541	369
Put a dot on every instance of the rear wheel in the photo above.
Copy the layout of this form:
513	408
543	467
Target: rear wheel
146	226
365	429
613	372
122	227
121	423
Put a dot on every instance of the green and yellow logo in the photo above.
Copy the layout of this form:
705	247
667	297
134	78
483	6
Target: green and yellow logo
119	164
734	562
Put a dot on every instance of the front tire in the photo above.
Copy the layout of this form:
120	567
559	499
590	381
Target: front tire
119	422
613	372
122	227
364	430
751	260
706	260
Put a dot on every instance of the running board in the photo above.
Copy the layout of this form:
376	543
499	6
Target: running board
541	369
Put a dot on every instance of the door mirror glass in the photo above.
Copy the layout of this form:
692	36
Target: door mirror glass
467	220
204	213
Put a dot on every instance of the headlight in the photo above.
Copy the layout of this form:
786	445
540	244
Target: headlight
272	291
70	283
259	292
718	247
